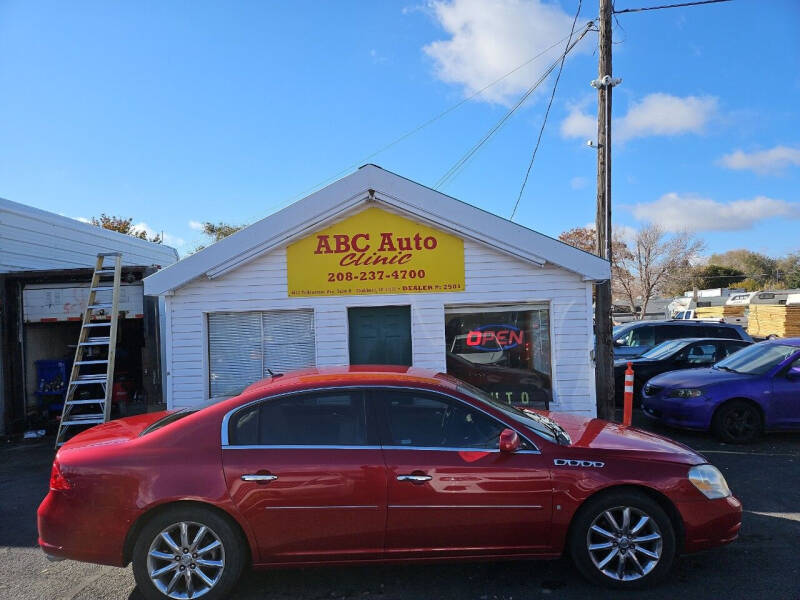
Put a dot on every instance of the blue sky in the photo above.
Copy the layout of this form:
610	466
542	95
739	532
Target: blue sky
180	112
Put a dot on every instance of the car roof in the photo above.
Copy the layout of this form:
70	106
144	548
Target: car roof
351	375
784	341
689	340
679	322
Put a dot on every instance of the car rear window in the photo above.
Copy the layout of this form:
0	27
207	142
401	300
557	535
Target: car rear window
167	420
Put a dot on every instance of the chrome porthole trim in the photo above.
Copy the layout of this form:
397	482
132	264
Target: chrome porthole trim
624	543
186	560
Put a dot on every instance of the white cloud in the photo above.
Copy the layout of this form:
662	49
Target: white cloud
679	212
764	162
578	183
488	38
579	125
169	239
83	219
655	114
196	225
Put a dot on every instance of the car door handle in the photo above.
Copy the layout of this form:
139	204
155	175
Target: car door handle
414	478
259	477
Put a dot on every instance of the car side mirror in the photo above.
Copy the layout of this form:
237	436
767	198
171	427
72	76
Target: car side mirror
793	374
509	441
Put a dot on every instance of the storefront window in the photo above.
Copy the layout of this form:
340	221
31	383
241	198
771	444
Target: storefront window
248	346
505	352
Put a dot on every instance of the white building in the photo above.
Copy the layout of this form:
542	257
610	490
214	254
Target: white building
46	263
376	268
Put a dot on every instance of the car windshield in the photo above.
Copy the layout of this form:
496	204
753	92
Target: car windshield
664	349
757	359
545	427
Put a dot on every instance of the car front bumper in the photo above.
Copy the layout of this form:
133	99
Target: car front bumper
688	413
710	523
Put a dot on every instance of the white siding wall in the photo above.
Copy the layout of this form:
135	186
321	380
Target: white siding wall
32	240
491	277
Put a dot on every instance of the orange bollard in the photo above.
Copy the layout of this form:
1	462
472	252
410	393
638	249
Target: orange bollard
627	410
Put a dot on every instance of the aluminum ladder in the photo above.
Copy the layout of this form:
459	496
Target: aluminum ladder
87	373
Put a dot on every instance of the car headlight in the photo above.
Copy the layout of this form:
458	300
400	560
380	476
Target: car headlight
684	393
709	481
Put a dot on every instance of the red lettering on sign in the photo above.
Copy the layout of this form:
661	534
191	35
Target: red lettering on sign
430	242
342	242
514	336
356	237
474	338
387	243
323	246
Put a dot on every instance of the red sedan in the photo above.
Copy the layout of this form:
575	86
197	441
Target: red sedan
385	464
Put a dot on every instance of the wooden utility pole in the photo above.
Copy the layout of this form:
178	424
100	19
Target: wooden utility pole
604	349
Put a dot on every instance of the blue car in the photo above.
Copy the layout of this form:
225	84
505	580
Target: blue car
754	390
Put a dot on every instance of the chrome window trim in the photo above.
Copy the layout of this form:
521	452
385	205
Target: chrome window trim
367	387
297	447
452	449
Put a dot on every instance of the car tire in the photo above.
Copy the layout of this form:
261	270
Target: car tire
644	547
737	422
225	555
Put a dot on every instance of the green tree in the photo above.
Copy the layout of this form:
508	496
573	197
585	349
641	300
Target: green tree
217	231
717	276
755	266
123	225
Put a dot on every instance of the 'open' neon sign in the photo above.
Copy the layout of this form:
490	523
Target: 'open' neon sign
505	336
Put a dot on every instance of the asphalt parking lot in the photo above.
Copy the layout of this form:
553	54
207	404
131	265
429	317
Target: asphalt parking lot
763	563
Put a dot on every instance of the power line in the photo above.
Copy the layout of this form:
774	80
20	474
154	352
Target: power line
459	164
698	3
424	124
546	113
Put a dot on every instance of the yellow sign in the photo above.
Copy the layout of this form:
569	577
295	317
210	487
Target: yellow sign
375	252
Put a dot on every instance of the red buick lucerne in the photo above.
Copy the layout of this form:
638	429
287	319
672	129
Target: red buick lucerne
350	465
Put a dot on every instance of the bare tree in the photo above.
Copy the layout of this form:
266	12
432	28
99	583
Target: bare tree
653	258
585	238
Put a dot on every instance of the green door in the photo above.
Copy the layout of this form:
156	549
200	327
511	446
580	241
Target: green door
380	335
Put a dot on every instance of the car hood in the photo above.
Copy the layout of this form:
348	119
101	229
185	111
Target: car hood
696	378
597	434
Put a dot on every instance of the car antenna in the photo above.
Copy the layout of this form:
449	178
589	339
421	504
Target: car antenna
273	375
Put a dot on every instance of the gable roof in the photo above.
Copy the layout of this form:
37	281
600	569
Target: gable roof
373	186
32	239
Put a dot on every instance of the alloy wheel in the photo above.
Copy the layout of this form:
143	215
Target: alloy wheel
740	423
186	560
624	543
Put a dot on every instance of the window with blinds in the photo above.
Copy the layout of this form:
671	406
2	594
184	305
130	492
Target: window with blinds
242	346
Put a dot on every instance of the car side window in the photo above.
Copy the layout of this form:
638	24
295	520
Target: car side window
726	332
701	354
727	348
416	419
643	336
334	418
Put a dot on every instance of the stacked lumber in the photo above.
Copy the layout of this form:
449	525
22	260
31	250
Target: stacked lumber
719	312
774	319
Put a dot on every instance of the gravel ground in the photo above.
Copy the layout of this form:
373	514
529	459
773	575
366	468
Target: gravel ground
763	563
